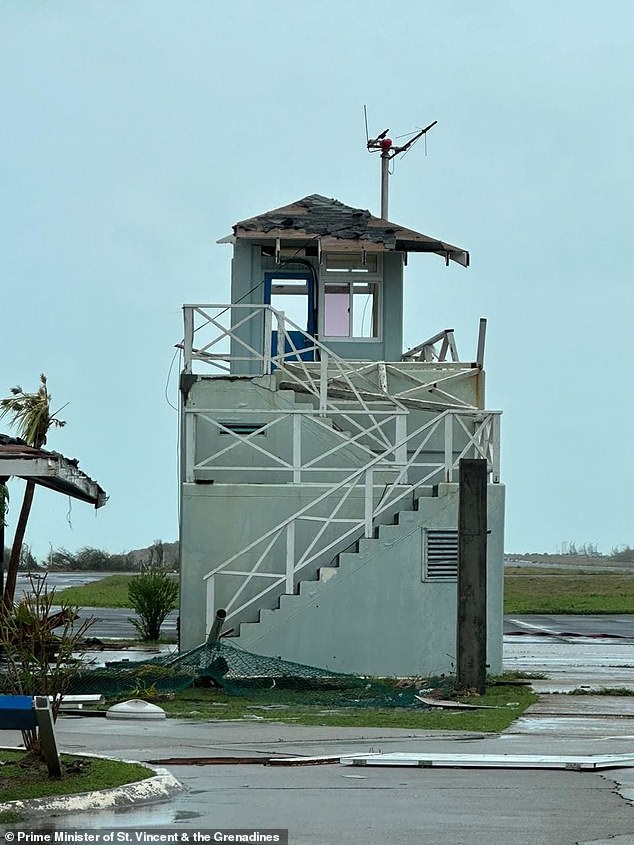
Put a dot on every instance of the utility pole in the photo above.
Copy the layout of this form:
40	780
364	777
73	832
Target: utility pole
472	575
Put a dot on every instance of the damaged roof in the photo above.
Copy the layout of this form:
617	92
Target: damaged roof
50	469
339	227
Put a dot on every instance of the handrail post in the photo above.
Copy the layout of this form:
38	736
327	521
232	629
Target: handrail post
209	609
400	452
190	445
449	447
268	339
482	332
188	338
369	502
323	384
290	557
281	338
495	448
297	448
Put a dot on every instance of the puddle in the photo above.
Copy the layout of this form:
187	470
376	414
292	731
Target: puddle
141	817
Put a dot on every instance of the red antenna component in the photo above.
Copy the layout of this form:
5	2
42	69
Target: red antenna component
386	147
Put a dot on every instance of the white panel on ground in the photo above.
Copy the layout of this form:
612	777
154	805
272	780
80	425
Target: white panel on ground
494	761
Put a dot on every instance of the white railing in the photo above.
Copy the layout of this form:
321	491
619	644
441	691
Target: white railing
238	339
297	427
320	378
440	347
336	511
379	462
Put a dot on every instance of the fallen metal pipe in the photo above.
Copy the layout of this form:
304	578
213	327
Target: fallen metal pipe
216	628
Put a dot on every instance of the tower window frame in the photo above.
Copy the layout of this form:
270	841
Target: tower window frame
351	294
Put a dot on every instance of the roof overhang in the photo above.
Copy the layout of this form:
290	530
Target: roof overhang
49	469
338	228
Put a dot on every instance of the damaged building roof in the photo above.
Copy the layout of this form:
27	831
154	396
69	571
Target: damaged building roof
50	469
339	227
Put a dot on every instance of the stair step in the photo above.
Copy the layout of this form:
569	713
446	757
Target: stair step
308	588
265	613
247	628
389	532
326	573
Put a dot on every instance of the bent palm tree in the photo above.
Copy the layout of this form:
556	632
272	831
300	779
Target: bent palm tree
31	415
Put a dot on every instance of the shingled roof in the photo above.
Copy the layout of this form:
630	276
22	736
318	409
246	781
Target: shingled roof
339	227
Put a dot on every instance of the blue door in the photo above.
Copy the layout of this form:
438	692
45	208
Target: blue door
294	294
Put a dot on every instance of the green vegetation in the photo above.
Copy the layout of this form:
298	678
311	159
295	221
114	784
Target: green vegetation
37	644
569	593
111	591
10	817
152	594
24	777
213	704
31	416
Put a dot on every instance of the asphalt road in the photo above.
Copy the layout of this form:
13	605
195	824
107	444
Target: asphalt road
113	623
572	626
362	806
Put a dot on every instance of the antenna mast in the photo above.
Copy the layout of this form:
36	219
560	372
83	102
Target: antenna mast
388	151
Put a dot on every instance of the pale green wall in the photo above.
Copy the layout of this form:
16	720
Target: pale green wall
374	615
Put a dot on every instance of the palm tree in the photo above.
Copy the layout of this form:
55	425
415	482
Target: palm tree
31	415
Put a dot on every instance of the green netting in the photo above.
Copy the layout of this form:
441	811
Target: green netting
240	672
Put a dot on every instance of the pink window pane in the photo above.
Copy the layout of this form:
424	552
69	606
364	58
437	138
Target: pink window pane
337	314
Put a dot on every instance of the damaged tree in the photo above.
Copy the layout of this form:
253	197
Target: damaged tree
31	415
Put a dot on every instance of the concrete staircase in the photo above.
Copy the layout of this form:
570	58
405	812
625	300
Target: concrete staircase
378	581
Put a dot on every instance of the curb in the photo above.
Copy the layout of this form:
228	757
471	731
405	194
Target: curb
161	786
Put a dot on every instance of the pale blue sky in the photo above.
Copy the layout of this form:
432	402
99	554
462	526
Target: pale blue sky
134	134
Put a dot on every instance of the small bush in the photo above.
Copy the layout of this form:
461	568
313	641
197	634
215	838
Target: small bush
152	594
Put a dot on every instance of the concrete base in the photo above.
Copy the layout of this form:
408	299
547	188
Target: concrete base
160	785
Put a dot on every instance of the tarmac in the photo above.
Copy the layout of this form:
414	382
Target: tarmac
226	784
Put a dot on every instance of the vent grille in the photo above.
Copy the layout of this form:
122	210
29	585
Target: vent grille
441	558
243	429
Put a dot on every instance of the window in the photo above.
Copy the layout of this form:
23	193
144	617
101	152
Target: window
351	296
290	296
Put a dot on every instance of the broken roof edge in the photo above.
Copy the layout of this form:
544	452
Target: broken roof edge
316	217
48	469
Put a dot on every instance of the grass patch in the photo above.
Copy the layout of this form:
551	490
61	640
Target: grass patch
10	817
569	593
111	591
296	708
22	777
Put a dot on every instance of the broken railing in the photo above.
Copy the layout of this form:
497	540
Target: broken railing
442	347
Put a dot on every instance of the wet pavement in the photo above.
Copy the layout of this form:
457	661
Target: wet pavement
333	804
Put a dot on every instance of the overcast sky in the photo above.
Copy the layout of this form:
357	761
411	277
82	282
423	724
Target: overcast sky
134	134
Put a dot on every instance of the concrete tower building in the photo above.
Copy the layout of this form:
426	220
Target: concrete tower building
318	492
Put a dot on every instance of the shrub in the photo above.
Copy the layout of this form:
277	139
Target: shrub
152	594
37	644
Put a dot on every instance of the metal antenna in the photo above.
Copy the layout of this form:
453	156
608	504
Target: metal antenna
386	147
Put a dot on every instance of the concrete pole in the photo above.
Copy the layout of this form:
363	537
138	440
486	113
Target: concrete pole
472	575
